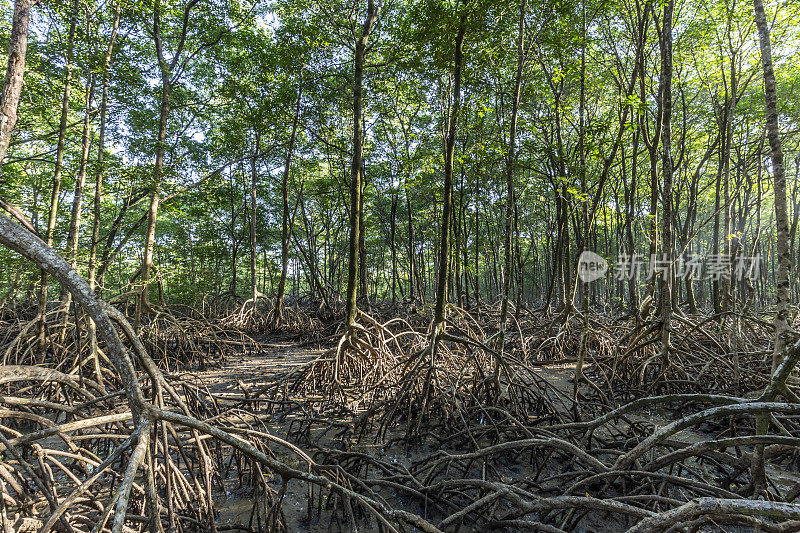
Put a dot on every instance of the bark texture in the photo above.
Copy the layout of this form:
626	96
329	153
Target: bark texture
356	201
779	184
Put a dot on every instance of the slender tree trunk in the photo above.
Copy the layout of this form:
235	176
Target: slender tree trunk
691	217
77	204
665	83
556	251
444	247
356	202
585	220
166	69
781	322
253	212
779	185
393	231
477	200
9	102
566	256
98	192
520	260
652	148
715	239
633	282
77	200
510	200
730	106
310	256
233	189
57	171
793	244
457	240
411	245
143	301
465	246
278	317
363	288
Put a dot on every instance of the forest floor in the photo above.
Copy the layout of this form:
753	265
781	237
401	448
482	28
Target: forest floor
228	381
377	431
272	358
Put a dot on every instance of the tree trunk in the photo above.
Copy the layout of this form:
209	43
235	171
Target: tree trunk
457	241
12	86
166	69
411	270
253	191
779	185
393	231
143	302
477	273
444	248
652	147
665	83
57	171
98	192
77	200
233	189
356	203
77	203
363	289
727	284
565	289
510	200
633	283
278	317
583	348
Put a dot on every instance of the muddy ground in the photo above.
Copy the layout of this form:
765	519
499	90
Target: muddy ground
231	380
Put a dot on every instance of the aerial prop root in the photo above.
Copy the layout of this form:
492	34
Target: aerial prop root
364	362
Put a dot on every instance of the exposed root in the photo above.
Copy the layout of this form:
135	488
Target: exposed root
144	458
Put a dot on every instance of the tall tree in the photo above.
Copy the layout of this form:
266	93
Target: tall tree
58	170
285	214
356	163
779	185
170	70
509	172
12	88
98	186
447	207
667	252
253	214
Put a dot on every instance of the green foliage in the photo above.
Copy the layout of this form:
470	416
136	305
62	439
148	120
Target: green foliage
244	65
